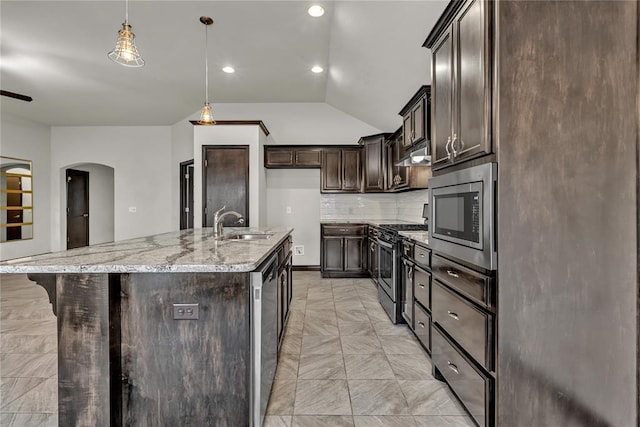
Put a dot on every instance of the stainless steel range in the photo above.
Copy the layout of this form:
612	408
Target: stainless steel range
388	267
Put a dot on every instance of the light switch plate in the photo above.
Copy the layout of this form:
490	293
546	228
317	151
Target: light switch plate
186	311
298	250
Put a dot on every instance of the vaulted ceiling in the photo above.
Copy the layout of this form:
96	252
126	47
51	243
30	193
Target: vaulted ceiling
56	52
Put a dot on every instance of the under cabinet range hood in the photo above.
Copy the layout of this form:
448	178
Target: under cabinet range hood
418	155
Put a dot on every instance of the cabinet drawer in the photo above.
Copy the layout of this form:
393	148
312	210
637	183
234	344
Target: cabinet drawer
344	230
422	287
422	330
422	256
470	283
469	326
470	385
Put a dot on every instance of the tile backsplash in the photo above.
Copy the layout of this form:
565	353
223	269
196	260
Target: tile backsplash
409	205
357	206
401	206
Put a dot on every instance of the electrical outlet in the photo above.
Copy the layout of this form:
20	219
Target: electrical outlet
288	209
298	250
186	312
133	209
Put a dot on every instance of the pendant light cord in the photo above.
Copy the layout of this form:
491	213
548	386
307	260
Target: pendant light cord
206	64
126	11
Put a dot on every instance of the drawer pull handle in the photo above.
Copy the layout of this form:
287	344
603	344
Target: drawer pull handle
421	324
452	314
421	285
453	367
343	229
422	255
452	273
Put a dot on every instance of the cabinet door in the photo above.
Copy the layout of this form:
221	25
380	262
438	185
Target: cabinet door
332	259
278	157
307	158
331	170
354	254
407	130
418	118
441	98
401	173
373	166
372	252
351	170
473	83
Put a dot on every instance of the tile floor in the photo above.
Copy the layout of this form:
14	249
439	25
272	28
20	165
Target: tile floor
343	363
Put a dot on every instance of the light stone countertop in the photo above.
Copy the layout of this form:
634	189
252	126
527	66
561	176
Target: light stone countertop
421	237
374	222
193	250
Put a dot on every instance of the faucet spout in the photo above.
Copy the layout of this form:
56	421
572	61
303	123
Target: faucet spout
217	221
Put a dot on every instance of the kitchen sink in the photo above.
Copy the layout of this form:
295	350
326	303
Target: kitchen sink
247	236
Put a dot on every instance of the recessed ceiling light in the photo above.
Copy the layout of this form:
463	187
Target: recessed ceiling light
317	69
316	10
228	69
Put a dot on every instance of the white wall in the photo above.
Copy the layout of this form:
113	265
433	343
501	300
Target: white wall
101	203
230	135
299	123
141	160
300	190
28	140
181	151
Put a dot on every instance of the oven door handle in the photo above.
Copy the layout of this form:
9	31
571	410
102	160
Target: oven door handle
385	244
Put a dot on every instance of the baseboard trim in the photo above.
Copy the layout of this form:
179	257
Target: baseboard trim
305	268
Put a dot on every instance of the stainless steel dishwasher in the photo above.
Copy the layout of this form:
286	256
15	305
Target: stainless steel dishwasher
264	336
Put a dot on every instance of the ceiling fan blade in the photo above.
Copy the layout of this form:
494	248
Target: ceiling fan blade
16	95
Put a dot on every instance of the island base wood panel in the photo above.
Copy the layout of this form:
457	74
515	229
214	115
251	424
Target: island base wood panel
124	361
185	372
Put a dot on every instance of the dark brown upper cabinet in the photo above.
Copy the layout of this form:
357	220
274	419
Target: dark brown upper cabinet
415	120
461	84
292	157
341	170
374	162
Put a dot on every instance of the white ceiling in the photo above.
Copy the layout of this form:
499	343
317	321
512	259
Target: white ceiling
56	52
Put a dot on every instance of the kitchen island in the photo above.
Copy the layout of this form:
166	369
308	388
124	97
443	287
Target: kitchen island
165	329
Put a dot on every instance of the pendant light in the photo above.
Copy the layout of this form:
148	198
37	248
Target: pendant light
126	52
206	117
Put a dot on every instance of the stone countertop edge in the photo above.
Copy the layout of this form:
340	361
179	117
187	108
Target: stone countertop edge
185	251
374	222
421	237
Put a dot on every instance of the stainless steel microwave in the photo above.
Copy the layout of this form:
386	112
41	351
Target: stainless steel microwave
462	219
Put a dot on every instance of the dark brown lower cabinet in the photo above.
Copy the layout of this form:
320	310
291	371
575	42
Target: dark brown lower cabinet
343	250
285	286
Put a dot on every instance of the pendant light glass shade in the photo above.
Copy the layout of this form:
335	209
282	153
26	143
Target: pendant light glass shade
206	116
126	52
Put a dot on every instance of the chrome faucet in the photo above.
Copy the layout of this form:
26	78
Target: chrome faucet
218	217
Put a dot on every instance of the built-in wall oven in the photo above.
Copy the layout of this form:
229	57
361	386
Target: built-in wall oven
462	219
